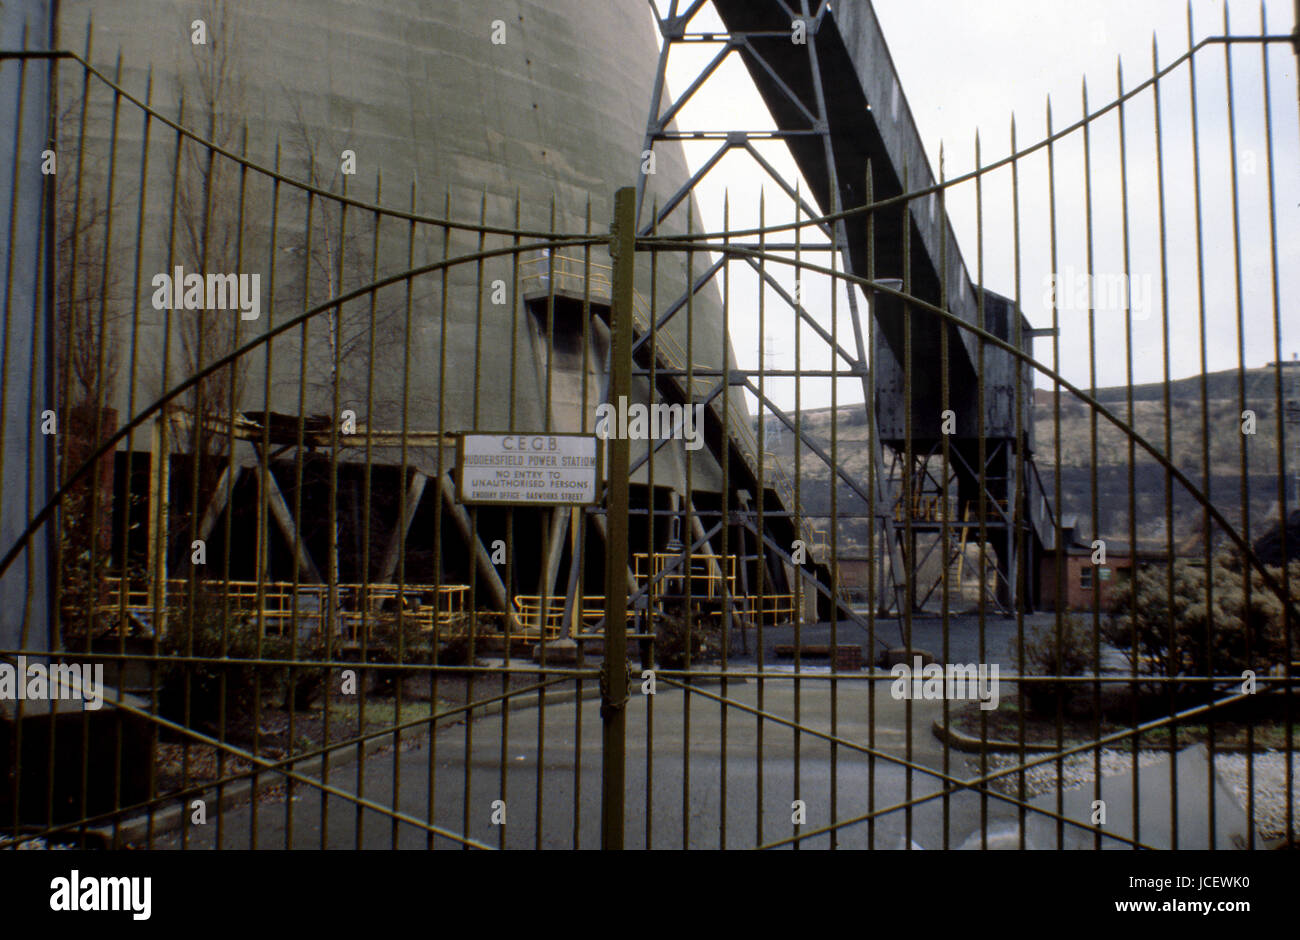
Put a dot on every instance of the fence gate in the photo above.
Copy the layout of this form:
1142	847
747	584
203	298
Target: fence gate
741	521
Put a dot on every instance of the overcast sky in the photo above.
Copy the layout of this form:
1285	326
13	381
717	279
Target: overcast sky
969	65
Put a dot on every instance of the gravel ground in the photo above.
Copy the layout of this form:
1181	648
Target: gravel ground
1270	787
35	845
1077	770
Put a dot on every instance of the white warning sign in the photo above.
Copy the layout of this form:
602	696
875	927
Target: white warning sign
528	468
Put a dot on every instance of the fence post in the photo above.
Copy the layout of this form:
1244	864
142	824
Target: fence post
614	677
27	606
1295	44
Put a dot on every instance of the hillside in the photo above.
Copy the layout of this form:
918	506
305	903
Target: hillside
1184	423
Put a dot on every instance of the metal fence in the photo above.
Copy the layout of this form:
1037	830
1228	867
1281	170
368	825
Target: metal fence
309	637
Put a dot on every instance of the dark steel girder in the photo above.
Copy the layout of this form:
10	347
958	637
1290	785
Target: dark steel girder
868	120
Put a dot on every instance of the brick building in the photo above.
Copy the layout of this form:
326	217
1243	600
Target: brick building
1086	583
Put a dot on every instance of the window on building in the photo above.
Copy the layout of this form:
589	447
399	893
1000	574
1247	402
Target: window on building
1085	577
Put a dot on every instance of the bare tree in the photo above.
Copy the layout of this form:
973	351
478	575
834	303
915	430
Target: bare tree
209	225
341	259
89	295
89	303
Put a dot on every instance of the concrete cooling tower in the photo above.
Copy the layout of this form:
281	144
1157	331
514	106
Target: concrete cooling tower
520	115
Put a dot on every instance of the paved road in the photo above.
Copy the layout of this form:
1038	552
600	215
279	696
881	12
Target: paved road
963	638
927	634
678	769
675	801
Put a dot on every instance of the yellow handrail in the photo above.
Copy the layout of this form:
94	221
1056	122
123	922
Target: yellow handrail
528	613
274	601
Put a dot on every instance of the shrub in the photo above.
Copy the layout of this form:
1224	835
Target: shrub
226	647
396	640
671	638
1045	656
1207	638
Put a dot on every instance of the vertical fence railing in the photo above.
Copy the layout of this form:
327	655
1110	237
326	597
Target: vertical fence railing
614	674
708	562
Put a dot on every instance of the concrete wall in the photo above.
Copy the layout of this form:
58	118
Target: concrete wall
423	96
24	358
1084	580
